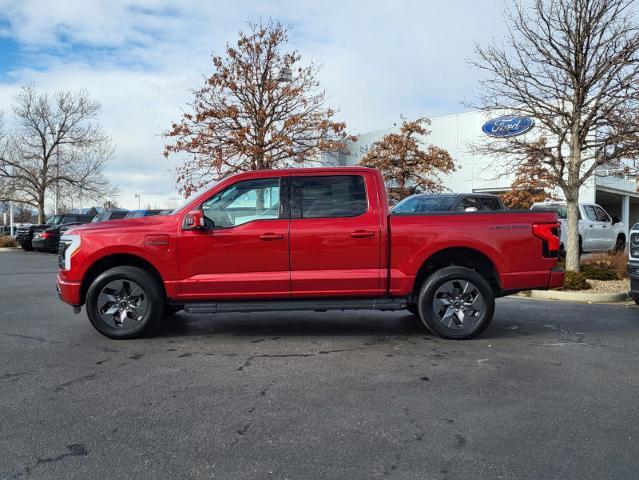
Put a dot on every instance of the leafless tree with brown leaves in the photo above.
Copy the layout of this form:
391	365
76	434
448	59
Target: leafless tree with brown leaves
54	141
407	165
572	65
259	109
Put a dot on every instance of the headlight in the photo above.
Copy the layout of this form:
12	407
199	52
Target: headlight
634	238
69	244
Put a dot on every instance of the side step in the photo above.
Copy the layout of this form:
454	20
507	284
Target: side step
292	305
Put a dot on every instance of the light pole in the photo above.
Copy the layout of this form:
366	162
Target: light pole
56	133
137	195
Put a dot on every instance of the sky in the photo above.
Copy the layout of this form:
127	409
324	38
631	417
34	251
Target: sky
141	58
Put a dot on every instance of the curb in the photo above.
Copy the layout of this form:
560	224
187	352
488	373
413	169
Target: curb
9	249
584	297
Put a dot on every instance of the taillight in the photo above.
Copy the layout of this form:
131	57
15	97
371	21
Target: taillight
46	235
549	234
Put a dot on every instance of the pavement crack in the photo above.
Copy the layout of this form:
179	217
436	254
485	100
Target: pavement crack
74	450
270	355
83	378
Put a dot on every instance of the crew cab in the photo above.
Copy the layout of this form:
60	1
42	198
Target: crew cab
598	231
305	239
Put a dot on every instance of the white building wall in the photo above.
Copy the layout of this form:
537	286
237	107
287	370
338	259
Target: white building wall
458	134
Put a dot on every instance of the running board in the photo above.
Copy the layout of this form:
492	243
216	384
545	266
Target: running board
292	305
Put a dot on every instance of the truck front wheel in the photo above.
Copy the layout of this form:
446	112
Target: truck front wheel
456	303
124	302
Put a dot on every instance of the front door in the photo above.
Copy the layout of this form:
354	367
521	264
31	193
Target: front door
243	252
335	237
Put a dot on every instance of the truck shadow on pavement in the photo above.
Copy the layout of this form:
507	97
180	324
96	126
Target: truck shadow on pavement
516	318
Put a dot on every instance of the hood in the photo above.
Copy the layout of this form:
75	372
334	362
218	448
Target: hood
109	225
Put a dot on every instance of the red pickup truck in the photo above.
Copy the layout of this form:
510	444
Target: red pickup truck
305	239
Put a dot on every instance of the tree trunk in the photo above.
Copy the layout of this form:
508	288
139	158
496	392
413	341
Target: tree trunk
41	216
572	234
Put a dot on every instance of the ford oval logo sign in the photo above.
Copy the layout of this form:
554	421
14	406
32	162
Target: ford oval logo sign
509	126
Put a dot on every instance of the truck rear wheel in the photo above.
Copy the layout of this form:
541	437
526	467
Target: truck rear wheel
124	302
456	303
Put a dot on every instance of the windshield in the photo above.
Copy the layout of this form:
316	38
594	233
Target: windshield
135	214
100	217
54	220
425	203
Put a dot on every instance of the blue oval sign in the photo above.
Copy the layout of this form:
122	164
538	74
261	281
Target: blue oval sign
508	126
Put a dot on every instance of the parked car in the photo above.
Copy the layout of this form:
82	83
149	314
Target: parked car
109	215
25	233
47	240
305	239
5	230
453	202
144	213
598	231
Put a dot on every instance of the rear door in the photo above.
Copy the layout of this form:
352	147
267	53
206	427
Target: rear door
335	236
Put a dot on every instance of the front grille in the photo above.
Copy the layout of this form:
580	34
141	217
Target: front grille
62	248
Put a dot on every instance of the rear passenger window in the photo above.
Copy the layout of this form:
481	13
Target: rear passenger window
329	196
490	203
468	202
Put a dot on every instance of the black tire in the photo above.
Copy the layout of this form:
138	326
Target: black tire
620	244
152	294
412	308
26	247
635	297
454	278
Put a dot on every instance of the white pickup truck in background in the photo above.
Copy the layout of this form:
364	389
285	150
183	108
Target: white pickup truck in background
598	231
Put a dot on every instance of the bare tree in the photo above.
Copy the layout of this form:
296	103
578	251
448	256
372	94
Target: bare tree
55	142
572	65
259	109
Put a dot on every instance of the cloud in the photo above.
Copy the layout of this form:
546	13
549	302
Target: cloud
141	58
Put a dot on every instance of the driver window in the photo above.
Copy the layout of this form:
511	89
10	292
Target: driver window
243	202
590	213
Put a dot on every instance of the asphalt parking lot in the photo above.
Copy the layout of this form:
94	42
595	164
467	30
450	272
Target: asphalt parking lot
550	391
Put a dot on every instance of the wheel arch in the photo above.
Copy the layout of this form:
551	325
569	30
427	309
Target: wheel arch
461	257
117	260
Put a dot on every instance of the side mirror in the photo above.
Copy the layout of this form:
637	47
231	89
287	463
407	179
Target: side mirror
615	220
194	220
470	209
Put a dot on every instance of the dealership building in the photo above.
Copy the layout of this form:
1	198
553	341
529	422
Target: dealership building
476	172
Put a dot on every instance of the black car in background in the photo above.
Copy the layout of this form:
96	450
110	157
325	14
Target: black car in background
25	233
145	213
48	240
449	202
109	215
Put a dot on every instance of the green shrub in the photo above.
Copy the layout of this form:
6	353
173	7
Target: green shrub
7	242
575	281
597	272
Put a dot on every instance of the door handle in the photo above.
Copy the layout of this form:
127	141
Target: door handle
362	234
271	236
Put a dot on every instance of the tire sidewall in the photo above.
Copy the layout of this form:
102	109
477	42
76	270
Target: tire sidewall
152	291
427	293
